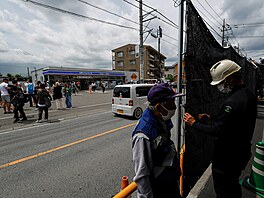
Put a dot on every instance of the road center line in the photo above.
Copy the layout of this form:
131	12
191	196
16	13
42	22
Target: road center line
63	146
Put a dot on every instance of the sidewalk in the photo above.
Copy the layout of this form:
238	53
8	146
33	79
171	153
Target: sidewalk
204	187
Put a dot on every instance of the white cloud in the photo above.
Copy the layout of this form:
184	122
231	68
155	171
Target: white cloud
32	34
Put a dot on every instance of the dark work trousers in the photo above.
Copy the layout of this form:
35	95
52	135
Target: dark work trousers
21	110
226	183
46	111
30	97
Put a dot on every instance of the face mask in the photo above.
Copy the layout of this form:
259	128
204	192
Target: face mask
221	87
169	115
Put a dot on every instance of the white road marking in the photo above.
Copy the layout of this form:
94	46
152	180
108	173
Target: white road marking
37	125
50	111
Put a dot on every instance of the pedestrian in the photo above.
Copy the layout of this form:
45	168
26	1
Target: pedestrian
74	88
5	96
93	87
154	154
43	98
18	100
35	97
103	86
30	91
67	90
233	128
57	96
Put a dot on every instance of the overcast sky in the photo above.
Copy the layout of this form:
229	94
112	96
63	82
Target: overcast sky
34	36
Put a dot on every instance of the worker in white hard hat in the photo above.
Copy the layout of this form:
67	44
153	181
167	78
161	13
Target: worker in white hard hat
233	128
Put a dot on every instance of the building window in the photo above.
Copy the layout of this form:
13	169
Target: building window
132	52
120	63
120	54
132	62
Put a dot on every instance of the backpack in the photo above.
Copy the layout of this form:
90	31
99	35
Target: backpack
19	99
30	88
47	101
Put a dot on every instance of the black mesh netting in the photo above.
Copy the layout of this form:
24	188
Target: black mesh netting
202	52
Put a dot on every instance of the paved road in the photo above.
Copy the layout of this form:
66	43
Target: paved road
82	152
82	104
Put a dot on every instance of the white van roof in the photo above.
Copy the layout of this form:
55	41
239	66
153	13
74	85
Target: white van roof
135	85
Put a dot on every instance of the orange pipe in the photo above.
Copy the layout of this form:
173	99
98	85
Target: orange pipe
127	191
124	182
181	166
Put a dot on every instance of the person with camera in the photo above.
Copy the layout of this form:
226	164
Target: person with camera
18	100
43	101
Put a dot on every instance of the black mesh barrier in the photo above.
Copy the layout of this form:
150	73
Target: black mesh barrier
202	52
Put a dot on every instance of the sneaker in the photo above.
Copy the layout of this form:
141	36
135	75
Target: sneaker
16	120
45	120
5	112
39	121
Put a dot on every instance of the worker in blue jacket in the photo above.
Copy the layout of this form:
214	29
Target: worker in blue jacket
233	128
154	153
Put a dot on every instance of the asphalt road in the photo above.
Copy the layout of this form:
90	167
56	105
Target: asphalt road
82	152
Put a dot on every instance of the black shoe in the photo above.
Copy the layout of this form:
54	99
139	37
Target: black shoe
23	119
16	120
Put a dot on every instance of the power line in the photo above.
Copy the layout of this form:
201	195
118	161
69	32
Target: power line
160	14
175	26
208	23
79	15
207	11
214	10
250	37
207	18
107	11
169	42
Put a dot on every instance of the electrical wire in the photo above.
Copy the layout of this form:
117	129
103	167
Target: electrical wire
107	11
79	15
208	12
159	13
175	26
207	18
214	10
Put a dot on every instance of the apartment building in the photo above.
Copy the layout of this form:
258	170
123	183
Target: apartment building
126	58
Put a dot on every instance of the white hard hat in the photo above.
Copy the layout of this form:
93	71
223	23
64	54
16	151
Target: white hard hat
223	69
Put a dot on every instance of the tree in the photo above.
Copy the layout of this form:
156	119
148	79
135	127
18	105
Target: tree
170	77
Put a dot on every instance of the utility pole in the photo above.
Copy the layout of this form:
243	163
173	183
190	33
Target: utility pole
28	71
141	47
179	80
159	33
223	33
36	75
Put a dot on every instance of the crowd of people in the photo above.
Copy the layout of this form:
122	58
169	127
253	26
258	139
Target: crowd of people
39	95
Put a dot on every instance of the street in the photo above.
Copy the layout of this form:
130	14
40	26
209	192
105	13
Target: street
81	152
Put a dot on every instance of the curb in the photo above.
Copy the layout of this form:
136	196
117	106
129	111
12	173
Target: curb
200	184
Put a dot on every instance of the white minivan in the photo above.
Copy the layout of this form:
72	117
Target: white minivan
130	99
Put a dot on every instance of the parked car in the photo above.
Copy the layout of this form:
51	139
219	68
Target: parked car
130	99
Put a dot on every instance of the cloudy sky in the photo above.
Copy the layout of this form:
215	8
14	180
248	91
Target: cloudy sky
82	33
